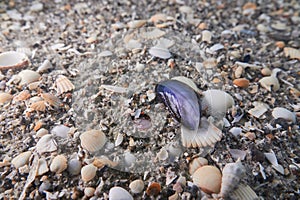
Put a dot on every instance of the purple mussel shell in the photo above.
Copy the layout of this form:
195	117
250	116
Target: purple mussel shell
182	101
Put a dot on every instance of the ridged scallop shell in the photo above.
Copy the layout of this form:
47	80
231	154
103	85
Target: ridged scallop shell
88	172
283	113
21	160
58	164
196	164
292	52
103	161
63	84
22	96
244	192
232	174
5	97
13	60
118	193
136	186
51	99
46	144
208	178
28	76
92	140
38	106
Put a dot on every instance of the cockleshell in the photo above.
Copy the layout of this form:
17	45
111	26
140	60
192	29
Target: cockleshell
208	178
22	96
38	106
244	192
46	144
13	60
118	193
88	172
5	97
63	84
93	140
136	186
51	99
28	76
232	174
58	164
60	131
21	160
292	53
196	164
283	113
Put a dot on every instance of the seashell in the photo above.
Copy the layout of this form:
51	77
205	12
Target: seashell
241	82
13	60
216	102
28	76
182	102
283	113
232	174
88	172
105	53
92	140
58	164
266	71
160	52
38	106
273	160
215	48
51	99
60	131
236	131
159	17
270	83
244	192
196	164
118	193
63	84
186	9
206	36
42	132
45	66
46	144
237	154
153	189
133	44
43	167
162	154
89	191
74	166
238	72
136	23
21	160
208	178
5	97
102	161
187	81
22	96
119	139
154	34
136	186
259	109
289	52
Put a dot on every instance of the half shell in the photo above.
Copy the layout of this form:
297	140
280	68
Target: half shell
58	164
5	97
63	84
13	60
118	193
21	160
136	186
46	144
51	99
88	172
196	164
92	140
283	113
28	76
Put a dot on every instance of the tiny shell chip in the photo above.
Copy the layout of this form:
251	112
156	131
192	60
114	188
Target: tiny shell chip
271	83
58	164
44	66
46	144
153	189
92	140
292	53
88	172
196	164
21	160
154	34
5	97
63	84
160	52
208	178
51	99
162	154
28	76
283	113
13	60
136	186
118	193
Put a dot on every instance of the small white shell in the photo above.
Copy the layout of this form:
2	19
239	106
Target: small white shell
136	23
58	164
196	164
44	66
89	191
5	97
42	132
21	160
92	140
156	33
118	193
270	83
273	160
28	76
63	84
12	60
74	166
160	52
119	139
88	172
136	186
283	113
43	167
46	144
232	174
292	53
187	81
259	109
60	131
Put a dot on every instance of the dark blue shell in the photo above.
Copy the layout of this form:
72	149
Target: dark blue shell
182	101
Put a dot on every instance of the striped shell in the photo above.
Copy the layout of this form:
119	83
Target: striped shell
92	140
58	164
63	84
88	172
51	99
5	97
38	106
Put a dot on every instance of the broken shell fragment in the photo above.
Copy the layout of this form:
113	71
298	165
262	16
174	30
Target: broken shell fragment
42	166
118	193
283	113
160	52
51	99
196	164
13	60
22	96
58	164
5	97
88	172
38	106
136	186
46	144
92	140
136	23
232	174
63	84
208	179
44	66
259	109
21	160
292	53
153	189
28	76
154	34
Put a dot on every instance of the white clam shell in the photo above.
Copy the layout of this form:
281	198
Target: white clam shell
196	164
88	172
136	186
259	109
63	84
92	140
43	166
28	76
89	191
60	131
21	160
270	83
160	52
284	113
46	144
118	193
12	60
58	164
44	66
